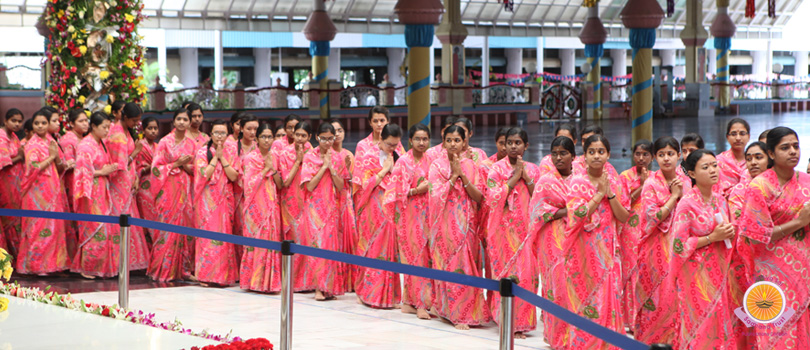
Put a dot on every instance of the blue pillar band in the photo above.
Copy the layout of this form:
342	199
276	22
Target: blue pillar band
419	35
642	38
319	48
594	50
722	43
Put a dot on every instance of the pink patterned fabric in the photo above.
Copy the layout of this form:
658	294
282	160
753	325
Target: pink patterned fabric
172	187
367	145
655	312
579	167
411	220
547	165
592	260
376	230
145	198
453	242
10	193
261	268
629	236
97	253
43	244
783	262
731	172
69	143
238	189
321	217
435	151
292	206
215	261
120	145
701	275
63	204
348	220
550	194
510	247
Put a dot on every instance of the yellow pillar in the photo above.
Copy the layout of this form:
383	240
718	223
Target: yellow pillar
724	93
642	41
595	77
419	38
320	69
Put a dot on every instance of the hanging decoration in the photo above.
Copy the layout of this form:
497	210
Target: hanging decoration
589	3
670	8
772	8
750	9
508	5
94	51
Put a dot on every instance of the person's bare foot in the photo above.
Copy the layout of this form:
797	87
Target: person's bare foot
205	284
88	277
359	301
463	327
407	309
397	306
432	311
319	296
422	314
520	335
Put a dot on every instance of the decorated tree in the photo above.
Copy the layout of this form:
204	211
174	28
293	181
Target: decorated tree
94	51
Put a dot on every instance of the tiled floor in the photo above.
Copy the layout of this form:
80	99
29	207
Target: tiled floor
338	324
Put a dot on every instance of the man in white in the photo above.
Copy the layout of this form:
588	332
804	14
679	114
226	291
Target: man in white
371	101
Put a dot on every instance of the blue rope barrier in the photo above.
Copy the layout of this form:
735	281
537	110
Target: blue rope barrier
560	312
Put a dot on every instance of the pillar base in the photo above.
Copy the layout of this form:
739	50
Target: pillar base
698	97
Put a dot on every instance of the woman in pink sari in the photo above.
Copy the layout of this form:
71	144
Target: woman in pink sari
407	199
435	151
732	162
143	166
54	128
580	164
289	158
43	244
97	253
597	206
172	171
348	219
12	166
456	188
261	268
547	222
700	265
375	226
244	144
377	118
235	125
69	142
773	244
654	314
566	129
124	181
633	181
216	164
510	248
322	177
286	137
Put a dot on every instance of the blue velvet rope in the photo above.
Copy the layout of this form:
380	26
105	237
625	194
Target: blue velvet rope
419	35
722	43
642	38
319	48
594	50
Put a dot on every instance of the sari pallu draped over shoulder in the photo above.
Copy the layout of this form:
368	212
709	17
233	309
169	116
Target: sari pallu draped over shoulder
348	219
376	231
453	240
120	146
261	268
592	261
731	172
367	145
43	242
655	310
739	281
97	253
321	216
784	262
629	234
144	196
700	275
215	261
550	194
10	193
172	191
510	246
292	206
411	219
69	143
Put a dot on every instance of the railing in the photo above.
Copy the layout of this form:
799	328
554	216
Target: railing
561	101
507	288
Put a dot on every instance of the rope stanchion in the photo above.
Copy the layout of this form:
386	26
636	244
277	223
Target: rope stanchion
506	317
286	295
123	262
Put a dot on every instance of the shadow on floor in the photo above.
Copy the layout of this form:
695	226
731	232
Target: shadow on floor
74	283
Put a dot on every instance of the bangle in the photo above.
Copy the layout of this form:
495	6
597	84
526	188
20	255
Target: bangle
779	227
225	166
468	183
708	239
530	183
614	196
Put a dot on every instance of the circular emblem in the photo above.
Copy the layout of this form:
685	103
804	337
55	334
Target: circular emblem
764	302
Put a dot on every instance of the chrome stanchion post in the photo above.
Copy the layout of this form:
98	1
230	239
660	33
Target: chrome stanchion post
660	347
506	317
286	295
123	263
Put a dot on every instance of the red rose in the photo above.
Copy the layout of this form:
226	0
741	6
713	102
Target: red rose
106	311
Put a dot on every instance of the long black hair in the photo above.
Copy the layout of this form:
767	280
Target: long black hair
564	142
96	119
664	141
691	161
571	128
244	119
132	110
208	153
391	130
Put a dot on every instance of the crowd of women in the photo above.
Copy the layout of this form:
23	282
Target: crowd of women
666	255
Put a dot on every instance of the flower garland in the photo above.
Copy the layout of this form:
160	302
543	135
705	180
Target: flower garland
6	268
250	344
94	51
134	316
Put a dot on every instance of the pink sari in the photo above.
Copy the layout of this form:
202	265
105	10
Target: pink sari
97	253
43	244
261	268
434	151
215	261
64	204
292	207
145	198
411	220
547	165
321	218
69	143
701	275
172	187
376	230
510	247
592	263
367	145
348	221
10	193
783	262
550	194
579	167
630	234
238	191
120	146
731	172
655	314
453	242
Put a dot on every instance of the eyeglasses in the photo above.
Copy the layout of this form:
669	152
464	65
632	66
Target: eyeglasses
266	137
326	139
220	134
735	134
